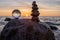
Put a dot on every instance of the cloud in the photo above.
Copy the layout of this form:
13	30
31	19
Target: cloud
43	4
50	2
28	2
9	3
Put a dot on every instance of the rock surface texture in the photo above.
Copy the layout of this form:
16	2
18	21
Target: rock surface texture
25	29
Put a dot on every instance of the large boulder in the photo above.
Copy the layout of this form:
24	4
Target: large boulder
25	29
8	19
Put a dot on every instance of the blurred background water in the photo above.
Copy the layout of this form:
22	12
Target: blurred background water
55	21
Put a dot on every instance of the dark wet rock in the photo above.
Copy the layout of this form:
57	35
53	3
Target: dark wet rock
7	19
26	30
49	23
53	27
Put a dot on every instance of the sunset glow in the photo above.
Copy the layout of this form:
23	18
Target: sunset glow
46	7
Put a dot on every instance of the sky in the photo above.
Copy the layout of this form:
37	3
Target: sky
46	7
